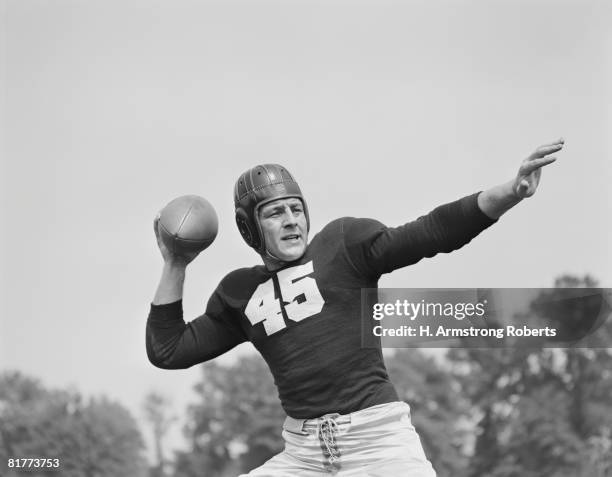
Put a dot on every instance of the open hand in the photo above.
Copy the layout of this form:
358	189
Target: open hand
529	173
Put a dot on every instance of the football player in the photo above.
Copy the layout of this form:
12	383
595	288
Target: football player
301	309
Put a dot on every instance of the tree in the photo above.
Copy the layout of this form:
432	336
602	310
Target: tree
155	407
438	409
94	438
544	411
235	425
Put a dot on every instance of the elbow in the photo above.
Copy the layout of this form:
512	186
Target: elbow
164	358
162	364
165	363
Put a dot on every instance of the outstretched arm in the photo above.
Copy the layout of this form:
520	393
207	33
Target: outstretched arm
496	201
375	249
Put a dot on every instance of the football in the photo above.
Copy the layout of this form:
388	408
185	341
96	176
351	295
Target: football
188	225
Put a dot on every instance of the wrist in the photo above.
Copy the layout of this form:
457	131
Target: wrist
175	266
512	192
498	200
170	288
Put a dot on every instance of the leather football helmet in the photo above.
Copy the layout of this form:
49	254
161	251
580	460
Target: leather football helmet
255	188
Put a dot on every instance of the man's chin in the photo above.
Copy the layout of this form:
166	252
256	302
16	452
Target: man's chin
292	253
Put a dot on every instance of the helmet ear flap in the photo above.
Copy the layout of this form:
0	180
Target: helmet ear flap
246	228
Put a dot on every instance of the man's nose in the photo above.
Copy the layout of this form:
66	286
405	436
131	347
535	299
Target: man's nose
289	220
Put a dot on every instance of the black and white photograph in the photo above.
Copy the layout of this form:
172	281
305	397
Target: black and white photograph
302	238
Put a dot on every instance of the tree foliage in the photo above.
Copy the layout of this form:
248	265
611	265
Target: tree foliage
94	438
236	423
156	409
543	411
436	407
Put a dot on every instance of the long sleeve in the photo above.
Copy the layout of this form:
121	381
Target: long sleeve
173	344
376	249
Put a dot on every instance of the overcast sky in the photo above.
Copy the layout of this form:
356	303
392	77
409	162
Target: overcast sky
381	109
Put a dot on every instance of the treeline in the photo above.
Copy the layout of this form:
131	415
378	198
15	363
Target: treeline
503	412
91	438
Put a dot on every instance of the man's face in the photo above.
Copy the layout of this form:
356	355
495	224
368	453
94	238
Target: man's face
284	227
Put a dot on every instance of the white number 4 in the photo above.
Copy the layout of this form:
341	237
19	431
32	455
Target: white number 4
299	290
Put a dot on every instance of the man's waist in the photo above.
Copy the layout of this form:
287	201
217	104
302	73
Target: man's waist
363	415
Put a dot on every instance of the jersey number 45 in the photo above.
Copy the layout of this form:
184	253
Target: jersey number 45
299	293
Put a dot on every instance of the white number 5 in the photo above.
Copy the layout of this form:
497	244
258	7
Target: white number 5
296	288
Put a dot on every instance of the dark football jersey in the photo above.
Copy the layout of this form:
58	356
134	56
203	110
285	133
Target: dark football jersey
305	318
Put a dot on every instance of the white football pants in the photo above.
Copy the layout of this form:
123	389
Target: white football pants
379	441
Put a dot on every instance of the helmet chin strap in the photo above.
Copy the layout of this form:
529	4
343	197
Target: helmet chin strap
273	258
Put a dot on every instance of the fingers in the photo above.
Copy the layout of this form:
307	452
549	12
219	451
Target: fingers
548	149
160	242
530	170
558	141
535	164
155	224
